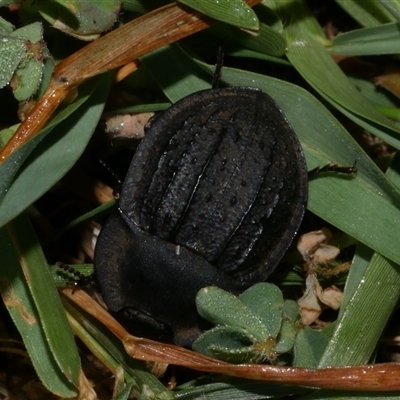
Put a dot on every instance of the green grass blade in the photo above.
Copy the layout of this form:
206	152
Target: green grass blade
48	161
359	265
97	212
393	6
10	167
255	54
308	54
191	77
109	350
366	313
318	68
388	135
269	40
294	12
370	300
373	94
234	12
366	13
32	299
383	39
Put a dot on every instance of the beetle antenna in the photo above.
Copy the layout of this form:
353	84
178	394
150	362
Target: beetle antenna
218	65
110	171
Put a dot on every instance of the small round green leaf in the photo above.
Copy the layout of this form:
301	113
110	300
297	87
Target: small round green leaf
286	337
266	302
223	308
291	311
27	79
227	343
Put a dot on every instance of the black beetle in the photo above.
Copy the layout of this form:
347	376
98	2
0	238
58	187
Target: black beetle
214	195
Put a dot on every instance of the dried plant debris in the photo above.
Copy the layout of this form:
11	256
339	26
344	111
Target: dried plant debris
317	254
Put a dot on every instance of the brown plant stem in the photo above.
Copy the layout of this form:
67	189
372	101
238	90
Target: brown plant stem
378	377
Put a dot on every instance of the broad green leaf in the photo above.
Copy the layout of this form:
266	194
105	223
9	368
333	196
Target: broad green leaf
383	39
366	13
32	299
49	160
234	12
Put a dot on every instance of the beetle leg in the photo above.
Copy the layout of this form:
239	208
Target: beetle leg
352	169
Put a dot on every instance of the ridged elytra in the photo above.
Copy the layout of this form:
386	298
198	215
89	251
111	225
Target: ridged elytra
214	195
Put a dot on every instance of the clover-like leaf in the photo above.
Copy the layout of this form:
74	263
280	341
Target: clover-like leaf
21	59
286	337
291	311
266	301
223	308
226	343
255	327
